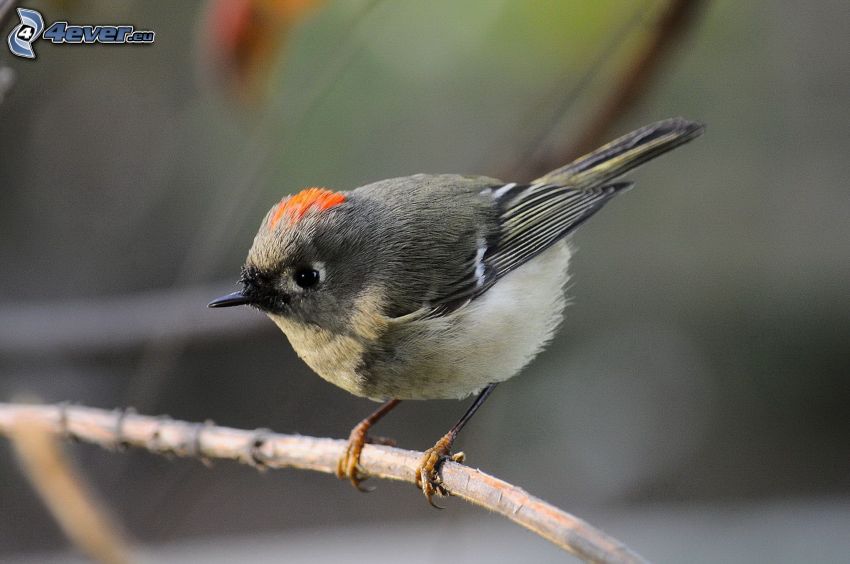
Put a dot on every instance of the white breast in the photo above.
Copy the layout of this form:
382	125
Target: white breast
489	340
510	324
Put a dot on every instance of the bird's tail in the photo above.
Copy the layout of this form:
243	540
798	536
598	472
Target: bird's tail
623	154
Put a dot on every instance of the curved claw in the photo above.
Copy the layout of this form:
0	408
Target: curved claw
427	474
349	464
427	480
356	482
348	467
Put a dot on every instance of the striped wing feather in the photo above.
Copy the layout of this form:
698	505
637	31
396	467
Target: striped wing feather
541	215
531	218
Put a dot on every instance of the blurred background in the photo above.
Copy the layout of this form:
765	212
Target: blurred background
694	403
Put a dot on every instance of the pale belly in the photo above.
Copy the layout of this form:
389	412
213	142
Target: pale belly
489	340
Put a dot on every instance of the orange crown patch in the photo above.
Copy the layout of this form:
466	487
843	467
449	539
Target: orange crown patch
294	207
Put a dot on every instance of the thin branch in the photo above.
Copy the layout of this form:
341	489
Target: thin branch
632	84
535	139
271	450
85	521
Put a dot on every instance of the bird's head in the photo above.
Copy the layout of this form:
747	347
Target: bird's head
305	264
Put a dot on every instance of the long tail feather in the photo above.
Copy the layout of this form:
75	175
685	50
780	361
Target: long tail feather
623	154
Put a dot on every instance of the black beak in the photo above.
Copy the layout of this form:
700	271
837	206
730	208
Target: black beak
234	299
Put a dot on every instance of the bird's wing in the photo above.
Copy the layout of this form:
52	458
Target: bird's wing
531	218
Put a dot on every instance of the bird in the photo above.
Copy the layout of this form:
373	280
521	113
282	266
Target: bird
431	286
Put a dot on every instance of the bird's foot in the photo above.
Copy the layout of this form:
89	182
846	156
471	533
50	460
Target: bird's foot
427	474
348	466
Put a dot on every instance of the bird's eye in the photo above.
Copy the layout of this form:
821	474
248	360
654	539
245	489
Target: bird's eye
306	277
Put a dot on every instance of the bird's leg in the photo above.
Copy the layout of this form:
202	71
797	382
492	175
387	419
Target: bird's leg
427	476
349	465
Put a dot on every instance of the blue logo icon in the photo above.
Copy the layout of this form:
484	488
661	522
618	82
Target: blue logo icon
22	36
32	24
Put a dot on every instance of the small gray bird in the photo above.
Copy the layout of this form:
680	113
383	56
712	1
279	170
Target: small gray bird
431	286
